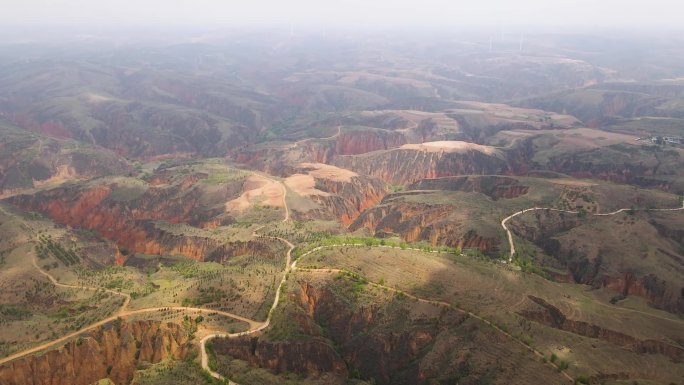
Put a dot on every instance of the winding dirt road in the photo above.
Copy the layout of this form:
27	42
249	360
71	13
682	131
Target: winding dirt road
510	235
256	326
292	266
122	312
450	306
261	326
124	305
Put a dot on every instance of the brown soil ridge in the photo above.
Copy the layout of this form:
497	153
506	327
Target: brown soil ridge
550	315
404	166
134	227
415	222
111	351
494	186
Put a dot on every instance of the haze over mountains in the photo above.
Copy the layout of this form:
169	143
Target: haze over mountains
629	15
307	203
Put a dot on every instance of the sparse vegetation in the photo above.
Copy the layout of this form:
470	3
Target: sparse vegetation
47	247
180	174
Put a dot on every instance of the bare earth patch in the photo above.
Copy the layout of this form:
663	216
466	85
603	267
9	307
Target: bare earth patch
305	184
439	118
517	113
326	171
64	173
451	146
572	182
588	137
257	190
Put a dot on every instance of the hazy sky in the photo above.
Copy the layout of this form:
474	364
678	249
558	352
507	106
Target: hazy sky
382	13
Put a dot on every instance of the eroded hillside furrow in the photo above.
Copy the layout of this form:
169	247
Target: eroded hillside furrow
134	225
112	351
312	356
495	187
415	222
337	194
405	166
115	222
563	237
356	143
550	315
383	343
374	355
349	199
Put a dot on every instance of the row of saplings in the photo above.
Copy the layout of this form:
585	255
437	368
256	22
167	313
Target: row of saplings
47	247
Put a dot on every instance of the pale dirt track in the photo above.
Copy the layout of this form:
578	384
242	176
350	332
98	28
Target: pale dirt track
255	326
450	306
261	326
292	266
510	235
121	313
